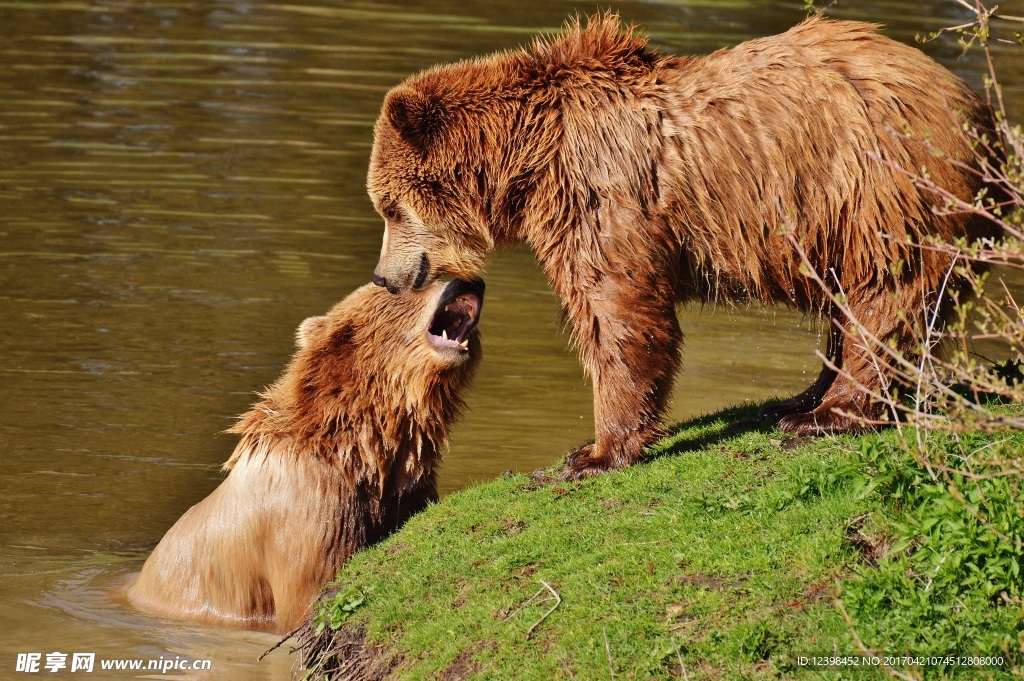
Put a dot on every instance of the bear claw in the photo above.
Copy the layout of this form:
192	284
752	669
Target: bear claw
820	422
581	463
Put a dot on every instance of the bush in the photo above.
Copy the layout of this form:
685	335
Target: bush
951	581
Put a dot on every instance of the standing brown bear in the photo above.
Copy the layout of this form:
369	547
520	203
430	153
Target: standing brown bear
643	180
339	452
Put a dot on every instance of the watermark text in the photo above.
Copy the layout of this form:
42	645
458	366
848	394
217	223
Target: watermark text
42	663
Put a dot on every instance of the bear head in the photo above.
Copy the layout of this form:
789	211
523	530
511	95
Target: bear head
373	370
373	344
431	172
461	151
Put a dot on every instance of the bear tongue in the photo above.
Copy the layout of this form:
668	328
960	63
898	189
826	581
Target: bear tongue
456	317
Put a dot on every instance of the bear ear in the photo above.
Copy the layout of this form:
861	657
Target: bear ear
310	331
419	118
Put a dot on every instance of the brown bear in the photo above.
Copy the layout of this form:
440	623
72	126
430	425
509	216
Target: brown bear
337	454
643	180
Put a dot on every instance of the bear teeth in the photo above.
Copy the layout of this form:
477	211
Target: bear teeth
444	334
464	344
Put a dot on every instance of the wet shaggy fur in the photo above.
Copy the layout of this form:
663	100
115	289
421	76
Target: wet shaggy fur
643	180
337	454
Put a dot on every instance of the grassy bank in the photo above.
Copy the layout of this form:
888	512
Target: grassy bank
732	553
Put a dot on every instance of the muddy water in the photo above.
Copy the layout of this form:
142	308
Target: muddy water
181	183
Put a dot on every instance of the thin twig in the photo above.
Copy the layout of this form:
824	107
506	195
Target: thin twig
281	642
608	649
679	656
524	604
558	602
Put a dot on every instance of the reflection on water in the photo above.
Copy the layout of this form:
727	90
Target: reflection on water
181	184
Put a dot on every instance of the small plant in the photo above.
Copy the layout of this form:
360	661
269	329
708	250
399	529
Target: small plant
339	609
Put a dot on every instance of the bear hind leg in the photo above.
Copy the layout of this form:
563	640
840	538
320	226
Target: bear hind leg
848	404
811	398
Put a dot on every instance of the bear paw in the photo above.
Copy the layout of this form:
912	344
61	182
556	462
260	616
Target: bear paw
821	421
584	462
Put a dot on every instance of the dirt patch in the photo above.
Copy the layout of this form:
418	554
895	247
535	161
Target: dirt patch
540	478
818	593
811	594
343	655
872	548
794	442
462	596
463	666
513	527
525	571
709	582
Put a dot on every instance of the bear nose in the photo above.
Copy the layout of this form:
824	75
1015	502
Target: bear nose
379	280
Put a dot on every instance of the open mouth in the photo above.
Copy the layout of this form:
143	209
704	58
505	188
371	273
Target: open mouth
457	315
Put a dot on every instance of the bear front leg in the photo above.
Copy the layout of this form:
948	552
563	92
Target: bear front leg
629	341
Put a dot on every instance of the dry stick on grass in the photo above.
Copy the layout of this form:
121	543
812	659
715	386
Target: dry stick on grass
525	603
608	649
679	656
558	602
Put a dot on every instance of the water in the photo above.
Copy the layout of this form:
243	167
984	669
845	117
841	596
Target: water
181	185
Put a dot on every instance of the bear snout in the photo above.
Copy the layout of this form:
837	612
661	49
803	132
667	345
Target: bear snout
397	282
383	282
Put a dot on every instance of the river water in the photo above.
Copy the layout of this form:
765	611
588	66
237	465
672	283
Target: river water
182	183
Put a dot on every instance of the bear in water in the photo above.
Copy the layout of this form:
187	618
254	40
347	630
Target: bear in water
336	455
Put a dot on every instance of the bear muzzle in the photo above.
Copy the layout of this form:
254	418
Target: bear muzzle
456	316
395	285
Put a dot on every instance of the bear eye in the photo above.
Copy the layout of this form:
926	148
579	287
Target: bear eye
392	213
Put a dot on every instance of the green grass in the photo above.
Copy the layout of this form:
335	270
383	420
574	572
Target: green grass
725	553
955	556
